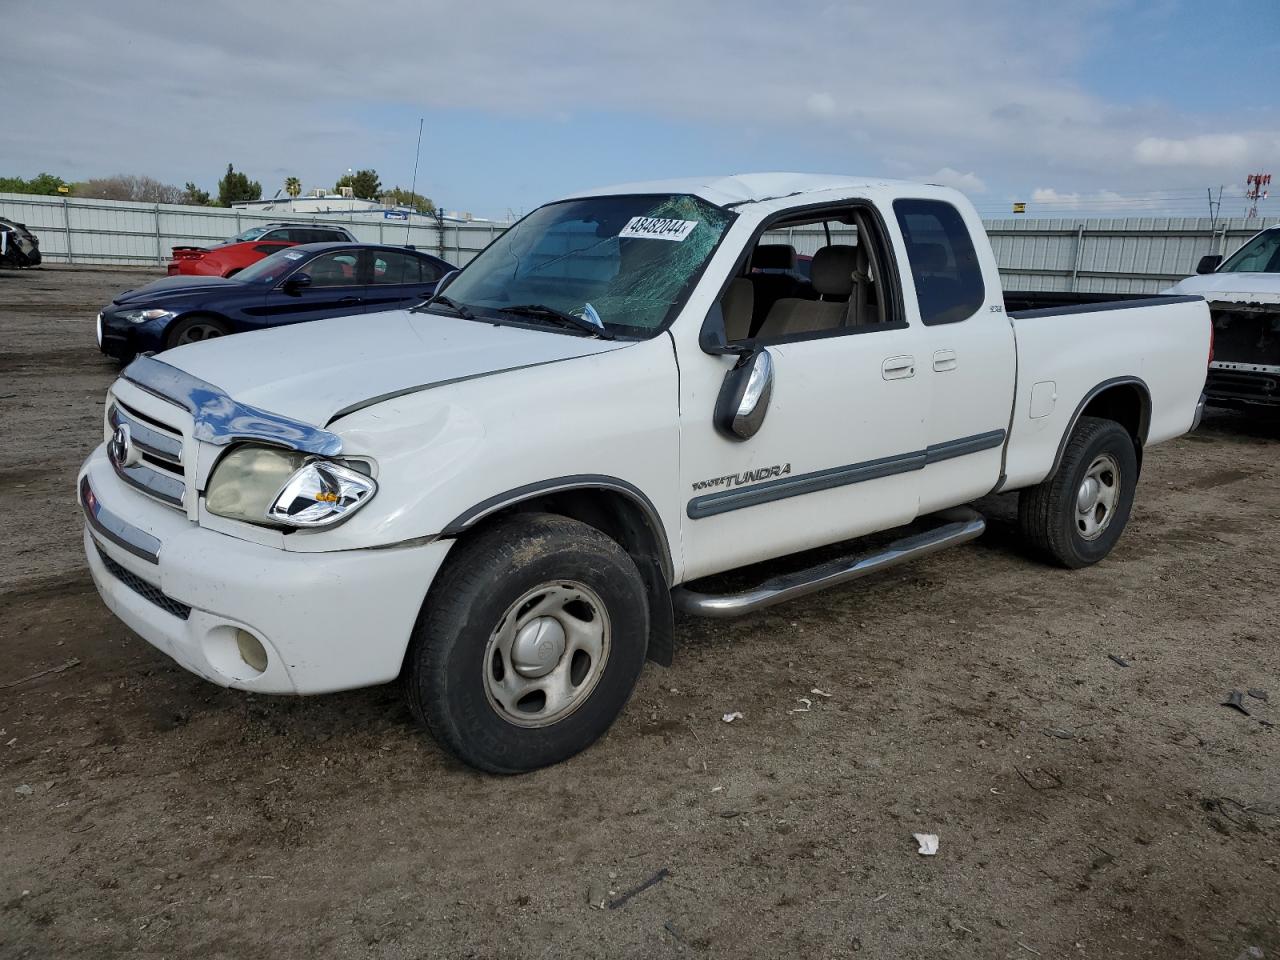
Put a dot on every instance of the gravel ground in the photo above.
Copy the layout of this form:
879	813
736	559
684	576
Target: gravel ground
1085	808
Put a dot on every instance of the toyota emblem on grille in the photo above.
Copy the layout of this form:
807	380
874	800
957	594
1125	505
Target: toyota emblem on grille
121	447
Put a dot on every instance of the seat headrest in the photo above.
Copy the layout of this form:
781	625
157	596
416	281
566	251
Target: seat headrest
832	270
773	256
928	257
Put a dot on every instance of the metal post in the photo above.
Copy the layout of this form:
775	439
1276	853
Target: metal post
1075	267
380	231
66	222
159	250
238	230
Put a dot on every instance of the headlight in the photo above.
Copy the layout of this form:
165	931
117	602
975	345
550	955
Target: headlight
264	485
141	316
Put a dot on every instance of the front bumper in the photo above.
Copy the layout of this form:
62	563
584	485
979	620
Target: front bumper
1243	384
327	621
124	340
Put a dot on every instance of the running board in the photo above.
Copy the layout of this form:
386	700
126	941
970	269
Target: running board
960	525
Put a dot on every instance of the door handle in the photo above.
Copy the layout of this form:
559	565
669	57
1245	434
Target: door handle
944	360
349	300
898	368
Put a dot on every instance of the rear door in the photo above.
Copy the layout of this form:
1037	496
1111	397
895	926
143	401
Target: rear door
399	279
968	358
337	289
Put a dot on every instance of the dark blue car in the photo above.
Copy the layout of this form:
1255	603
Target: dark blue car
307	282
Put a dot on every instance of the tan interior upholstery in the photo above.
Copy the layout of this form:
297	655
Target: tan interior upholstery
737	304
839	273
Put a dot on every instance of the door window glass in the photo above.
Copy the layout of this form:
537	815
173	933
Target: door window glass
944	264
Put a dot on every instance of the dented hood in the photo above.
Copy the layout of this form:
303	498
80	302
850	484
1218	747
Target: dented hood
317	371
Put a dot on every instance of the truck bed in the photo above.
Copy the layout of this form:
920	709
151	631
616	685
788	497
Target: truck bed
1066	354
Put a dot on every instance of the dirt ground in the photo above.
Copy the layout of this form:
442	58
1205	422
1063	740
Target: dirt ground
1085	808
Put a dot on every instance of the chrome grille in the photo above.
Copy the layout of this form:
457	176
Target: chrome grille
154	465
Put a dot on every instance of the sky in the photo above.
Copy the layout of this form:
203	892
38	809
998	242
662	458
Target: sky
1097	107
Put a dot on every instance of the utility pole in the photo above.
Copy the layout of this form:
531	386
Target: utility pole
1255	185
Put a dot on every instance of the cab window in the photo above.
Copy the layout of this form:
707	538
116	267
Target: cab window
944	264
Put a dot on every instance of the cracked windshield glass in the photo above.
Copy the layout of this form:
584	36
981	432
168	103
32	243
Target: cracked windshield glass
622	262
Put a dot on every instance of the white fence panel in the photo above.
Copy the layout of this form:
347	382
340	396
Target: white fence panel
1130	255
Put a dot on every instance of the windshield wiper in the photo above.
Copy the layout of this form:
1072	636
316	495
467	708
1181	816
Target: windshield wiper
543	312
458	308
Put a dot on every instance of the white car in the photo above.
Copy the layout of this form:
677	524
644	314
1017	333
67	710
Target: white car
1244	301
504	494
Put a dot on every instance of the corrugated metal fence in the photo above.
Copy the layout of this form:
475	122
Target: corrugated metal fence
74	230
1131	255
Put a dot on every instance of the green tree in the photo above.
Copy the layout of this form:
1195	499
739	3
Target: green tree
293	186
414	201
45	184
236	187
194	195
363	183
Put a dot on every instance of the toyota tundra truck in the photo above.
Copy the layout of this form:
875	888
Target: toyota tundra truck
503	495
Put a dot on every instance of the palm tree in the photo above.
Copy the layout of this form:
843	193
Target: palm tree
293	186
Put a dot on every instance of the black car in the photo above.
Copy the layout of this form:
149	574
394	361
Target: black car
18	245
307	282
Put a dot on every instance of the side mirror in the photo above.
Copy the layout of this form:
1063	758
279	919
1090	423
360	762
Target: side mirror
446	280
1208	263
744	396
297	283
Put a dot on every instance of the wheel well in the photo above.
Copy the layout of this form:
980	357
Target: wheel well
1125	403
631	524
1128	404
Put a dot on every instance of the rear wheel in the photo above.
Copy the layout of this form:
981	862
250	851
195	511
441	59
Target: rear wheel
195	329
1075	517
530	643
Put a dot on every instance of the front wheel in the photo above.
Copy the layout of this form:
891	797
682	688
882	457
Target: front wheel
194	330
1075	517
530	643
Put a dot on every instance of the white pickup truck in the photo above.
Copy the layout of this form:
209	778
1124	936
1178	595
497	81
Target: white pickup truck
1244	301
504	494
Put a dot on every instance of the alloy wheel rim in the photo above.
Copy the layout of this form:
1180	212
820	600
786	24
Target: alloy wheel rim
198	332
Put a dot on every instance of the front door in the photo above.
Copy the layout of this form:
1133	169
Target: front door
337	288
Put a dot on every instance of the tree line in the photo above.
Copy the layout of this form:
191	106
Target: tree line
234	187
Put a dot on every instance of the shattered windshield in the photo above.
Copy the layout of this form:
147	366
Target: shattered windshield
629	261
1259	255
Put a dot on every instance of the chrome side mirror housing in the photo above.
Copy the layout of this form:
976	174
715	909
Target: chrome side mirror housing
744	396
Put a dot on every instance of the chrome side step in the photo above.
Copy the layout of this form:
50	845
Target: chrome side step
960	525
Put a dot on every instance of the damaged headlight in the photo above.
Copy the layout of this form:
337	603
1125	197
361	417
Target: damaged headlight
269	486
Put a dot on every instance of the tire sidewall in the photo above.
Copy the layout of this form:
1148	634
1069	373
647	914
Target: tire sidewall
458	701
1115	441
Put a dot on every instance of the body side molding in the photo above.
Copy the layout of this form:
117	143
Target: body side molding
712	504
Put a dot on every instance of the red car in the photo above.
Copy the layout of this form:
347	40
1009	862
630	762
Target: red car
229	258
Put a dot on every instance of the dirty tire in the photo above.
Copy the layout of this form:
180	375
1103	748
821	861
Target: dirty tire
207	327
445	671
1047	513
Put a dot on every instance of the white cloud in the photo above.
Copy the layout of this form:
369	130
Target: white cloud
822	104
1206	150
1048	196
867	93
969	183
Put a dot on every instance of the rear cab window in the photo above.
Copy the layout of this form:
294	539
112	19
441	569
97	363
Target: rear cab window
944	264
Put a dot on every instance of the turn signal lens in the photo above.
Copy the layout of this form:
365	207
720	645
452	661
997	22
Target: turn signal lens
321	493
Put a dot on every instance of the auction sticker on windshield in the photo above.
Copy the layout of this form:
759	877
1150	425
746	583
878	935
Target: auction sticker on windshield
658	228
